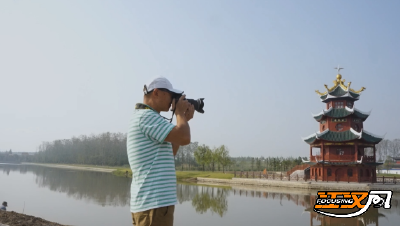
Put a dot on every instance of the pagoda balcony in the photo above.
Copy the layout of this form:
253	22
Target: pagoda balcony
313	159
369	158
344	158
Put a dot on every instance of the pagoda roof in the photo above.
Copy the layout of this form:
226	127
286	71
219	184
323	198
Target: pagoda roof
339	90
348	135
341	112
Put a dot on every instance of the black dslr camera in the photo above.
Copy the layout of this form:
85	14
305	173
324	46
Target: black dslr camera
197	104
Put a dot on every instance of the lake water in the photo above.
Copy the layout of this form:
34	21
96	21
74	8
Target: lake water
84	198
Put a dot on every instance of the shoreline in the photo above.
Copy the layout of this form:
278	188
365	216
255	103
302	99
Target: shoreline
253	181
61	166
343	186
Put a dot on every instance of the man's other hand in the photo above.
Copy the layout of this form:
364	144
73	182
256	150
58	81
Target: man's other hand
181	106
189	112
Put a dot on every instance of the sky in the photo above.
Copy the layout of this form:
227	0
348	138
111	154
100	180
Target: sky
71	68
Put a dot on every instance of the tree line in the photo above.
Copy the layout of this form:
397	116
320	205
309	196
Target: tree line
385	151
8	157
202	157
268	163
213	157
110	149
104	149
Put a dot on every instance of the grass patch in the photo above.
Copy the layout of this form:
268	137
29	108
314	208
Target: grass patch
205	185
182	175
121	172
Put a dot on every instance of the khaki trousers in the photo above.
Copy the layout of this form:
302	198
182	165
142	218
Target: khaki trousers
163	216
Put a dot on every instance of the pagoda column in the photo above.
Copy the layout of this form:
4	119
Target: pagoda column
323	159
356	150
356	155
374	167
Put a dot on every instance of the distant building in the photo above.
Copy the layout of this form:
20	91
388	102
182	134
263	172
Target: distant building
397	159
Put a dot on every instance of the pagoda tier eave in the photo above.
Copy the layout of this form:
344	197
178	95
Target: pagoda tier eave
345	136
327	100
341	112
327	97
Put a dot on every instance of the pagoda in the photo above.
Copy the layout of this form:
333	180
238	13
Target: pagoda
344	150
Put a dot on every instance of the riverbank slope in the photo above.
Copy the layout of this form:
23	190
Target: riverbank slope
11	218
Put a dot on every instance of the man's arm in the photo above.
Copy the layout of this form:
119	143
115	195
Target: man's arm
175	148
180	134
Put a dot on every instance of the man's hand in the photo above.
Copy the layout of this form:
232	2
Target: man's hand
181	106
180	134
189	112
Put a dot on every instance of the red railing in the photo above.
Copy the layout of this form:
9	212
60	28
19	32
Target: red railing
388	180
269	176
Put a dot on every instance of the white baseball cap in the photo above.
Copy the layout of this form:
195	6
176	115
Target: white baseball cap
160	83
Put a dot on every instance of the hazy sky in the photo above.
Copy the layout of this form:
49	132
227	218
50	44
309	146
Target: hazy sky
71	68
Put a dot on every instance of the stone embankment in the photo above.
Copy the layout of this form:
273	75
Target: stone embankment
337	186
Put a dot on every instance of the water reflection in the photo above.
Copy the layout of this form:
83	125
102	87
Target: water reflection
371	217
205	198
108	190
102	188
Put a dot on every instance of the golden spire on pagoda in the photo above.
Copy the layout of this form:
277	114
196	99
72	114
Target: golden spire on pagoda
339	82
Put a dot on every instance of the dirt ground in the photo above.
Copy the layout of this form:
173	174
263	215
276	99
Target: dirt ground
12	218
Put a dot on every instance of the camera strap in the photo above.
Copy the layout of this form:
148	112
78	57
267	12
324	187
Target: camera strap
143	106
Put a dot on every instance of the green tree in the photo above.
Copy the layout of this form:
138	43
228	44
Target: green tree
208	157
214	157
223	157
200	155
258	164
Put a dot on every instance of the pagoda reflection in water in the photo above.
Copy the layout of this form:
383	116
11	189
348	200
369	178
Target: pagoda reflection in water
371	217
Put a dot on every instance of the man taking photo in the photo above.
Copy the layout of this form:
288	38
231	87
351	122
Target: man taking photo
152	143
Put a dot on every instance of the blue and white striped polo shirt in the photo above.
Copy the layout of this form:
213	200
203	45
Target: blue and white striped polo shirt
151	160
